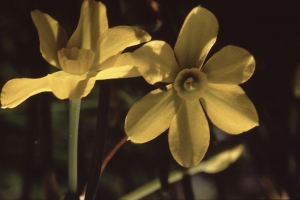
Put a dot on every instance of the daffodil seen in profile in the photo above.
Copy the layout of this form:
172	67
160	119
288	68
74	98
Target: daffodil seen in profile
92	53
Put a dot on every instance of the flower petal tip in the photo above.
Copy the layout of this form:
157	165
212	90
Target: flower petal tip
128	138
3	107
144	36
147	36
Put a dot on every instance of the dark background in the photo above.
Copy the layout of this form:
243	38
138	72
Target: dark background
33	136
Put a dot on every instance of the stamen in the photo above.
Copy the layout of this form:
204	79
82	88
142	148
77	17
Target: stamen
190	83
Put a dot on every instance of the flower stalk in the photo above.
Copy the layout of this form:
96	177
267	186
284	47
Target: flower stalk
74	111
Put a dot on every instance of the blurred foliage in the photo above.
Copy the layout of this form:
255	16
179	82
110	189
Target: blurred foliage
218	160
33	136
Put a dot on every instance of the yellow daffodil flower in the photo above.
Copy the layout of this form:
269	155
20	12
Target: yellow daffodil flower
92	47
212	87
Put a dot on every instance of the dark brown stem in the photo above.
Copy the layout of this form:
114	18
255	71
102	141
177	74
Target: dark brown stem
109	156
99	144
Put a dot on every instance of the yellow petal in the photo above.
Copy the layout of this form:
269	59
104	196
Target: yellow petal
67	86
92	24
15	91
231	65
117	39
156	62
189	134
116	61
197	35
126	71
229	108
151	115
122	66
52	36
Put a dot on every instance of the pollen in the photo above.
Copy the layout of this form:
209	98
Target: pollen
190	83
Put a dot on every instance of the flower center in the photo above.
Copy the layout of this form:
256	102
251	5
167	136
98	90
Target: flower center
76	61
190	84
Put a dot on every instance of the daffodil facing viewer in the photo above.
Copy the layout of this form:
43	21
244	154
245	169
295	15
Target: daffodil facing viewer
93	47
194	86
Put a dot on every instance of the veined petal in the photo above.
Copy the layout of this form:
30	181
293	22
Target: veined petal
229	108
117	39
231	65
151	115
126	71
122	67
156	62
196	37
189	134
92	24
67	86
52	36
16	91
116	61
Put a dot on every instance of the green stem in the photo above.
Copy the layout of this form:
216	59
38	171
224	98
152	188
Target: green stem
74	111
